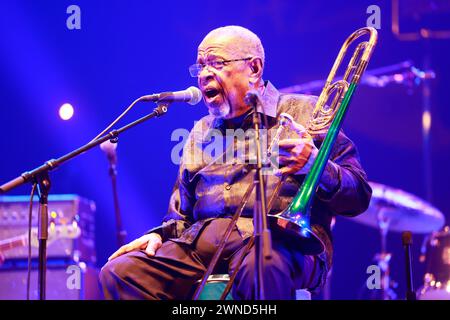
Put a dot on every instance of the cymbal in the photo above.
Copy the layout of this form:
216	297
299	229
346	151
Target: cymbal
401	211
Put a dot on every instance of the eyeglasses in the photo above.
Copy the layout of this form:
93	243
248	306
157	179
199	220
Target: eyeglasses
196	68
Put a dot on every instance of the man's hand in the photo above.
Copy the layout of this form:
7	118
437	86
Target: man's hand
150	242
296	156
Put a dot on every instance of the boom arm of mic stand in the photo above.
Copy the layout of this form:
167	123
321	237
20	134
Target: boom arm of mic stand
54	163
40	174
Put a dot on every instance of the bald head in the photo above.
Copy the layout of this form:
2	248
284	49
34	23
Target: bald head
240	41
230	61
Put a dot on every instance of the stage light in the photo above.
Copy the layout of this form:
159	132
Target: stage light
426	121
66	111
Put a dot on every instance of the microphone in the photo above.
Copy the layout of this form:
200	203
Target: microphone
252	98
191	95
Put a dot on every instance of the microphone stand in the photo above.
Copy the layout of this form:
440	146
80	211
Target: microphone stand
109	147
265	241
221	246
263	245
121	234
40	175
43	187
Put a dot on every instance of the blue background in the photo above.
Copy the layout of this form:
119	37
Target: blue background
126	49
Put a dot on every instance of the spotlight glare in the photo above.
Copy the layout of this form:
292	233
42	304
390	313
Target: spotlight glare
66	111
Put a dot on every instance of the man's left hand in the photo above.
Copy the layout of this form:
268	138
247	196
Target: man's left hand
296	156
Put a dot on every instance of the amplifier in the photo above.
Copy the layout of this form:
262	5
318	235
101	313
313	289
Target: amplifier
75	281
71	227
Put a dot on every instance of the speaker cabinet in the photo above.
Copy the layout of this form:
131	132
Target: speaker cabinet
68	282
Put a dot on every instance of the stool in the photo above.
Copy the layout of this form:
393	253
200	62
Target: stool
216	283
214	287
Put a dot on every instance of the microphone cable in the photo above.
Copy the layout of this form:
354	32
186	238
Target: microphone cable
30	218
117	119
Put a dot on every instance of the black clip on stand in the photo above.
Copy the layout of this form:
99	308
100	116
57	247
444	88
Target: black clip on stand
40	176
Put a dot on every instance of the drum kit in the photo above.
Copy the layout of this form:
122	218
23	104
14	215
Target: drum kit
395	210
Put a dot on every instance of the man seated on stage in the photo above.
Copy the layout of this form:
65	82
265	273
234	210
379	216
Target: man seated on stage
168	261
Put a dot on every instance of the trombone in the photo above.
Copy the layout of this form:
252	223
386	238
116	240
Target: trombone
295	219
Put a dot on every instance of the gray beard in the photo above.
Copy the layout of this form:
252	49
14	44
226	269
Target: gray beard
220	112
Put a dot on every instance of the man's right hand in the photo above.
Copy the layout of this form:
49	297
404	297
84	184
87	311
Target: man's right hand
150	242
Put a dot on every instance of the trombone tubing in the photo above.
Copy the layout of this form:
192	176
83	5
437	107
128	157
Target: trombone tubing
303	199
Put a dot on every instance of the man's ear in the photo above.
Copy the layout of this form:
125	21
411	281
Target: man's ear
256	68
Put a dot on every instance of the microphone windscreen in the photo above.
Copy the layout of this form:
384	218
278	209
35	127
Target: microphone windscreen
196	95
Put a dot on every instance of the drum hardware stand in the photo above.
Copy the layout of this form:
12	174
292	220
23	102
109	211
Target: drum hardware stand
40	175
435	254
383	260
407	242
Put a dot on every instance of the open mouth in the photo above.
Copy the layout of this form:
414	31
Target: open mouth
211	93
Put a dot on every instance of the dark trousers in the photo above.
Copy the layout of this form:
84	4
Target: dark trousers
176	267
